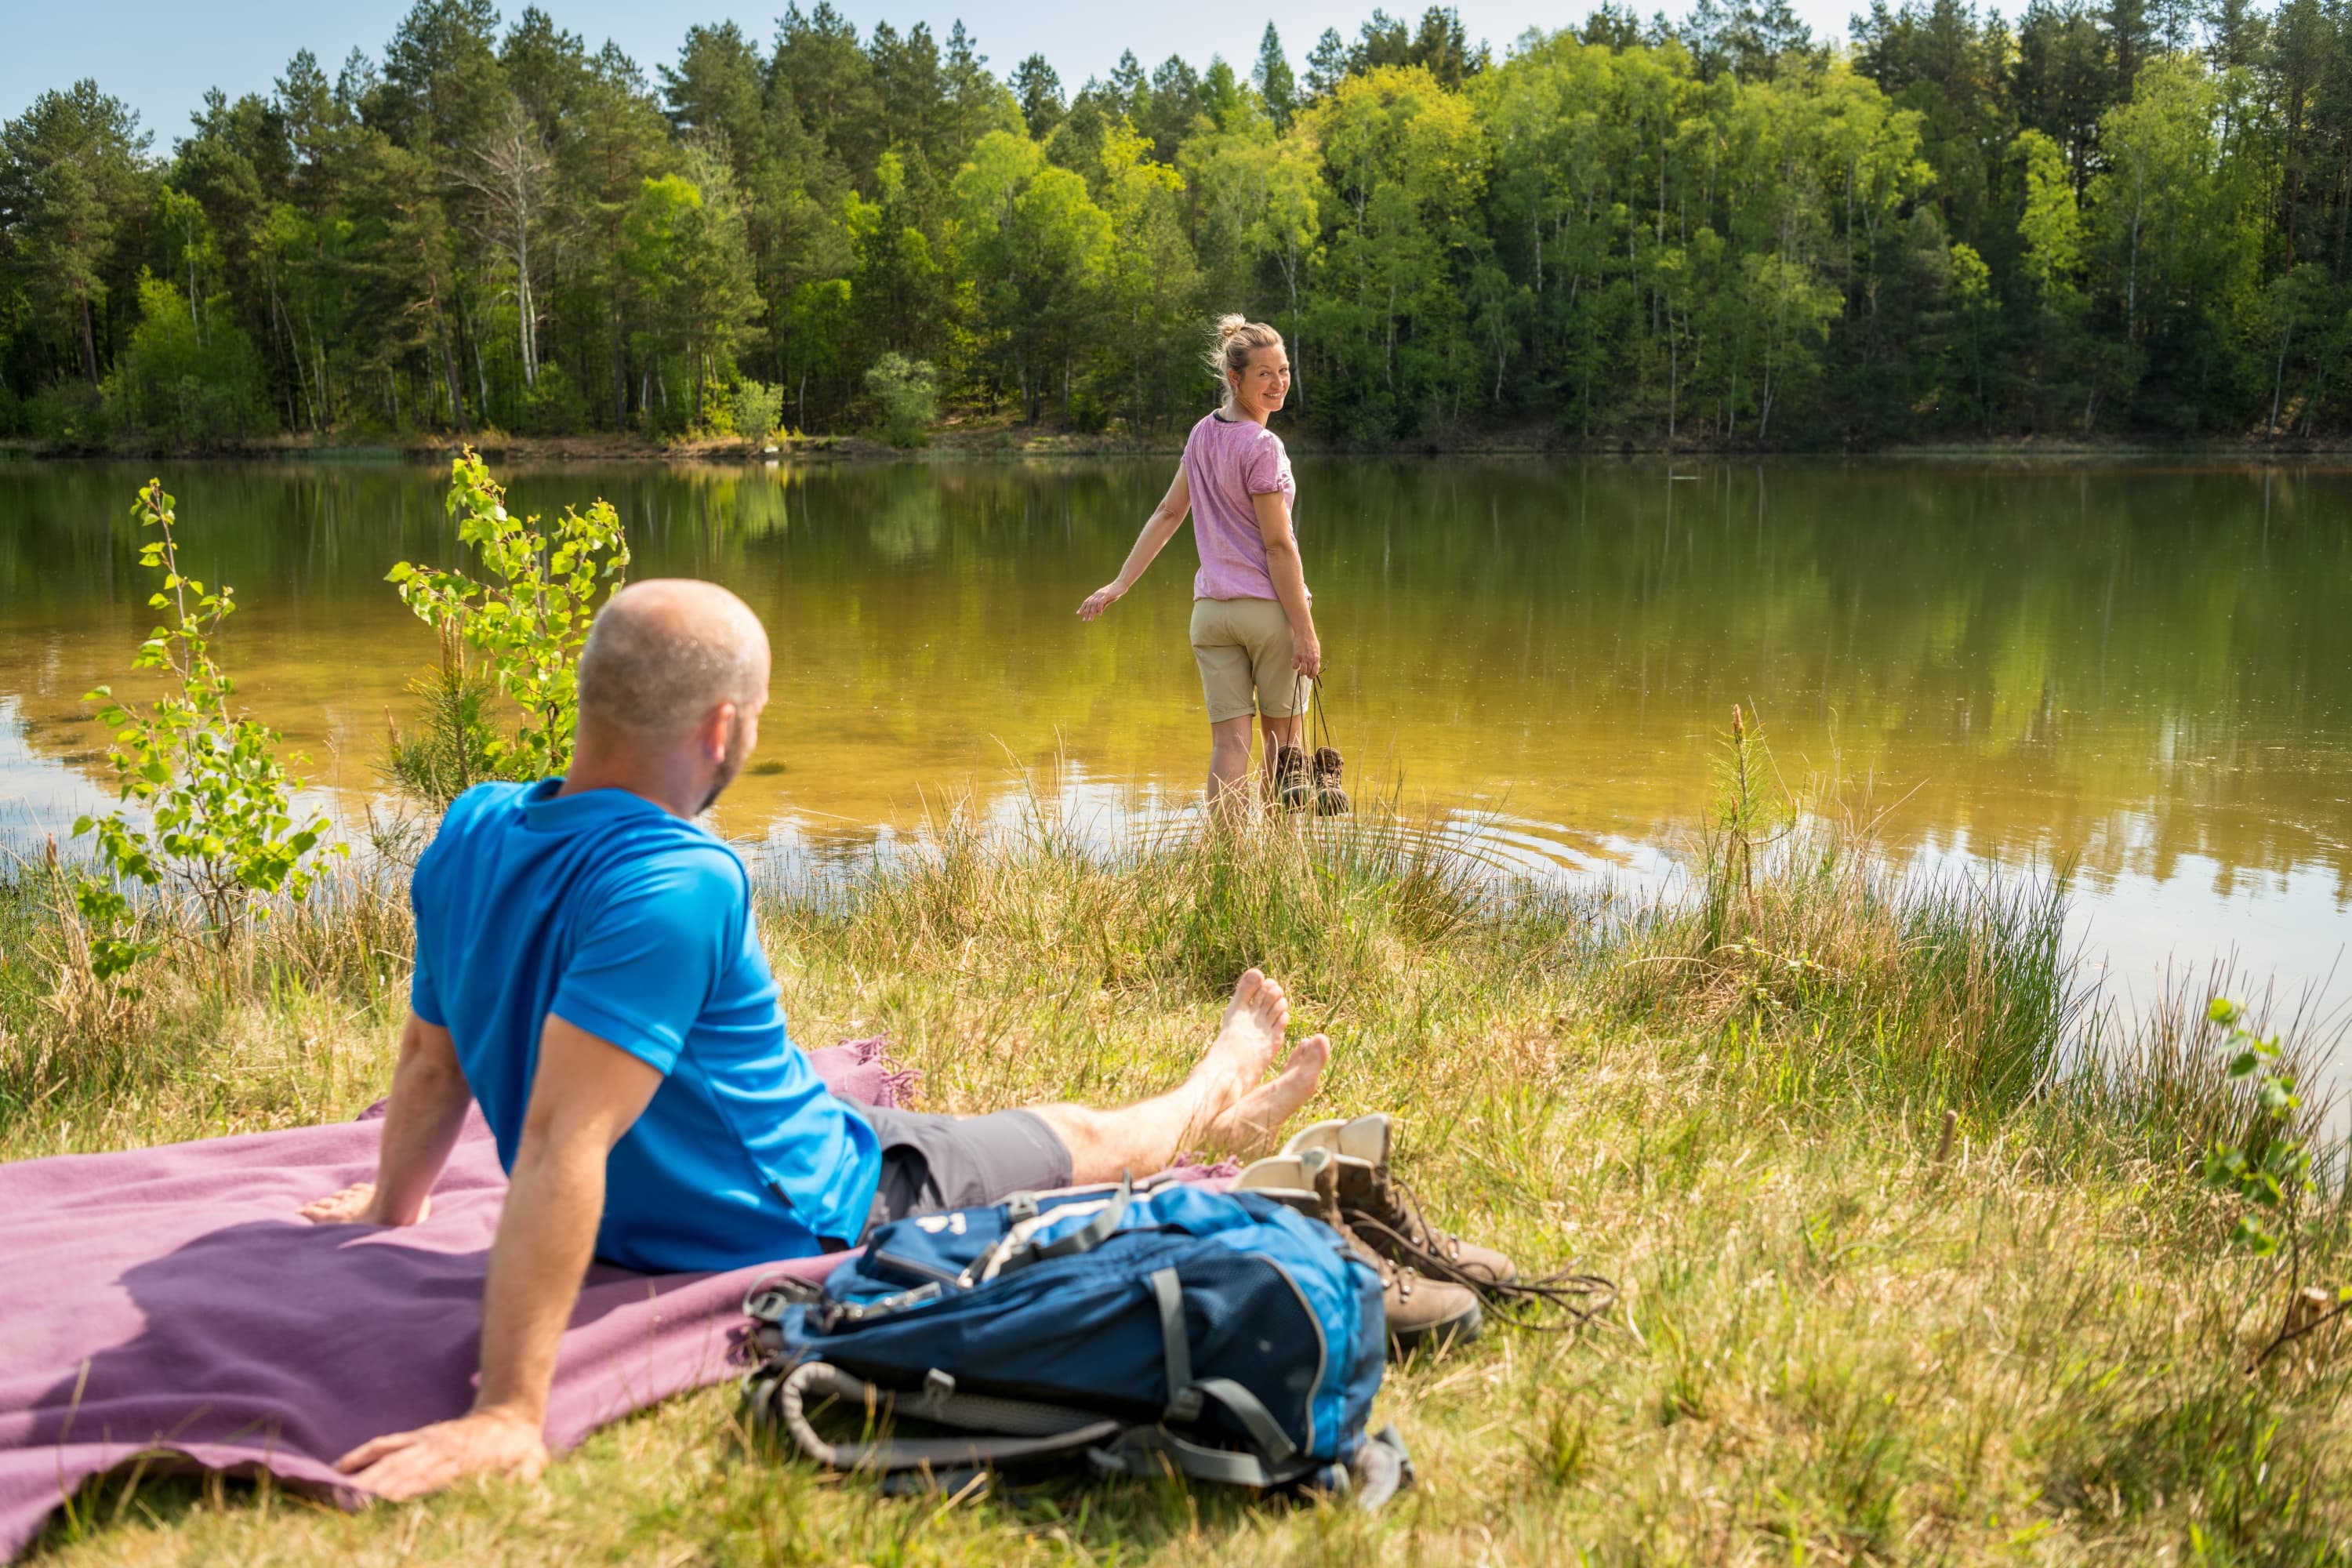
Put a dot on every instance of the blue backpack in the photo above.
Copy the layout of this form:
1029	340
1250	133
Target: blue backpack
1219	1336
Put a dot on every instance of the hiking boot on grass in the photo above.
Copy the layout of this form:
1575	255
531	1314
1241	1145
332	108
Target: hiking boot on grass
1384	1214
1420	1311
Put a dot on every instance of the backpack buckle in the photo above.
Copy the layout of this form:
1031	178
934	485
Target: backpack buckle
859	1311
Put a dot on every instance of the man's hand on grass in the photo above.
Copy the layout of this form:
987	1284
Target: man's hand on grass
355	1204
480	1442
585	1093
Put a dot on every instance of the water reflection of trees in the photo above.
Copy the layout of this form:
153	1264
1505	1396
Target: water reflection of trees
2130	663
2052	648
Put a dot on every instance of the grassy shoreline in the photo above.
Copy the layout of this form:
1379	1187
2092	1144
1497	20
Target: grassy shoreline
1842	1338
993	441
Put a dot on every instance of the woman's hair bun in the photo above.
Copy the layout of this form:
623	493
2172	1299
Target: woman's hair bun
1230	343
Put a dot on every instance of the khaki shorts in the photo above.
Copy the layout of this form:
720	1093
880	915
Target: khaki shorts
1243	650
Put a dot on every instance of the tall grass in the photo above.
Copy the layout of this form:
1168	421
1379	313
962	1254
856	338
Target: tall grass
1916	1260
1810	957
282	1024
1323	900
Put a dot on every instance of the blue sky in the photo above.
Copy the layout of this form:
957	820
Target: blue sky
159	56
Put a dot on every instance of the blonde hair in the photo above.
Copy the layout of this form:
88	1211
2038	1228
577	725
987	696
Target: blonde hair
1230	343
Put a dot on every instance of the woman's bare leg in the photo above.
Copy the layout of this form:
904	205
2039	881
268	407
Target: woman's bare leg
1222	1104
1229	749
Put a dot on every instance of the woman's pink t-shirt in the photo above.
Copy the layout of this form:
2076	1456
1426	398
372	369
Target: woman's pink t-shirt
1226	462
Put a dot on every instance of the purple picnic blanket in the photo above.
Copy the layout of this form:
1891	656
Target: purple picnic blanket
169	1299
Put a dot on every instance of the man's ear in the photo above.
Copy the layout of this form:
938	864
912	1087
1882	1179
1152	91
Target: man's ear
717	732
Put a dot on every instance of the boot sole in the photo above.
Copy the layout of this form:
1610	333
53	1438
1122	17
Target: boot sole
1459	1329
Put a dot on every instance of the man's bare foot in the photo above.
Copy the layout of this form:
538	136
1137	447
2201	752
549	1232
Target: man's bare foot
1248	1129
1246	1045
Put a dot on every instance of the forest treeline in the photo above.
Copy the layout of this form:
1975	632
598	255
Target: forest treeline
2124	220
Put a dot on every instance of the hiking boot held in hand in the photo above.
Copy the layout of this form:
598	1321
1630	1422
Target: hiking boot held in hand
1330	799
1290	778
1420	1311
1382	1212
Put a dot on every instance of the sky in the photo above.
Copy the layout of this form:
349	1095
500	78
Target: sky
160	55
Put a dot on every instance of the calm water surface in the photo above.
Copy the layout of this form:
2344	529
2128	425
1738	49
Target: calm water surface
2141	670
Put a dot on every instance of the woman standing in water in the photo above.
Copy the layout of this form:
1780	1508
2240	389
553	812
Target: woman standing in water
1253	627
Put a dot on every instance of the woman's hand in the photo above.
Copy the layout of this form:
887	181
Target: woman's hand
1101	599
1306	654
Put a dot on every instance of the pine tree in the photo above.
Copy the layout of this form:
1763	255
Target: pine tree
1274	80
1039	93
1327	64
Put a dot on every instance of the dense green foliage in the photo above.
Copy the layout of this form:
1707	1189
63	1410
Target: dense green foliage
210	810
2087	221
518	638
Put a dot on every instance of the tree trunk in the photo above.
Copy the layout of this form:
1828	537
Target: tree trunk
1674	378
1298	330
620	379
481	375
526	308
2131	278
2294	169
449	369
2278	380
89	344
2343	216
293	356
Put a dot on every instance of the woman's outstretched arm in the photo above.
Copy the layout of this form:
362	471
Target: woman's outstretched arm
1289	573
1158	529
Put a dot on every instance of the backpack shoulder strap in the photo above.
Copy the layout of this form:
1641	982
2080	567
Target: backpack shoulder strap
1085	1238
1381	1466
1186	1394
1006	1429
1157	1451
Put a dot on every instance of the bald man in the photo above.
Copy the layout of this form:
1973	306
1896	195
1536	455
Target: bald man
587	971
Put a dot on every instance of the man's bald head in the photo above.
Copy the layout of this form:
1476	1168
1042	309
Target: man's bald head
664	652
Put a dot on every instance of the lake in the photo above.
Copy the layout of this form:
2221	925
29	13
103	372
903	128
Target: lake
2139	669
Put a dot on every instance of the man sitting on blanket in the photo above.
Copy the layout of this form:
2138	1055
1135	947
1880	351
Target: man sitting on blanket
587	969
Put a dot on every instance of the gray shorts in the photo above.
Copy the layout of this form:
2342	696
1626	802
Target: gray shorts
931	1161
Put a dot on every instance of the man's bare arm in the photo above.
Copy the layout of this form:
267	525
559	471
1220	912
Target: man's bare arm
429	1098
586	1093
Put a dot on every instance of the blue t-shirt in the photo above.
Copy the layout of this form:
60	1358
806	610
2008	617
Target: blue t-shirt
635	925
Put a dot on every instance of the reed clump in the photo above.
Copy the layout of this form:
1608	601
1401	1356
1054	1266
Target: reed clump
284	1023
1916	1263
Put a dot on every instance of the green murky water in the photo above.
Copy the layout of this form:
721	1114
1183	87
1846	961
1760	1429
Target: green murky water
2141	669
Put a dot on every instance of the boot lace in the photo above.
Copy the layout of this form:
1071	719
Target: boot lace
1524	1302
